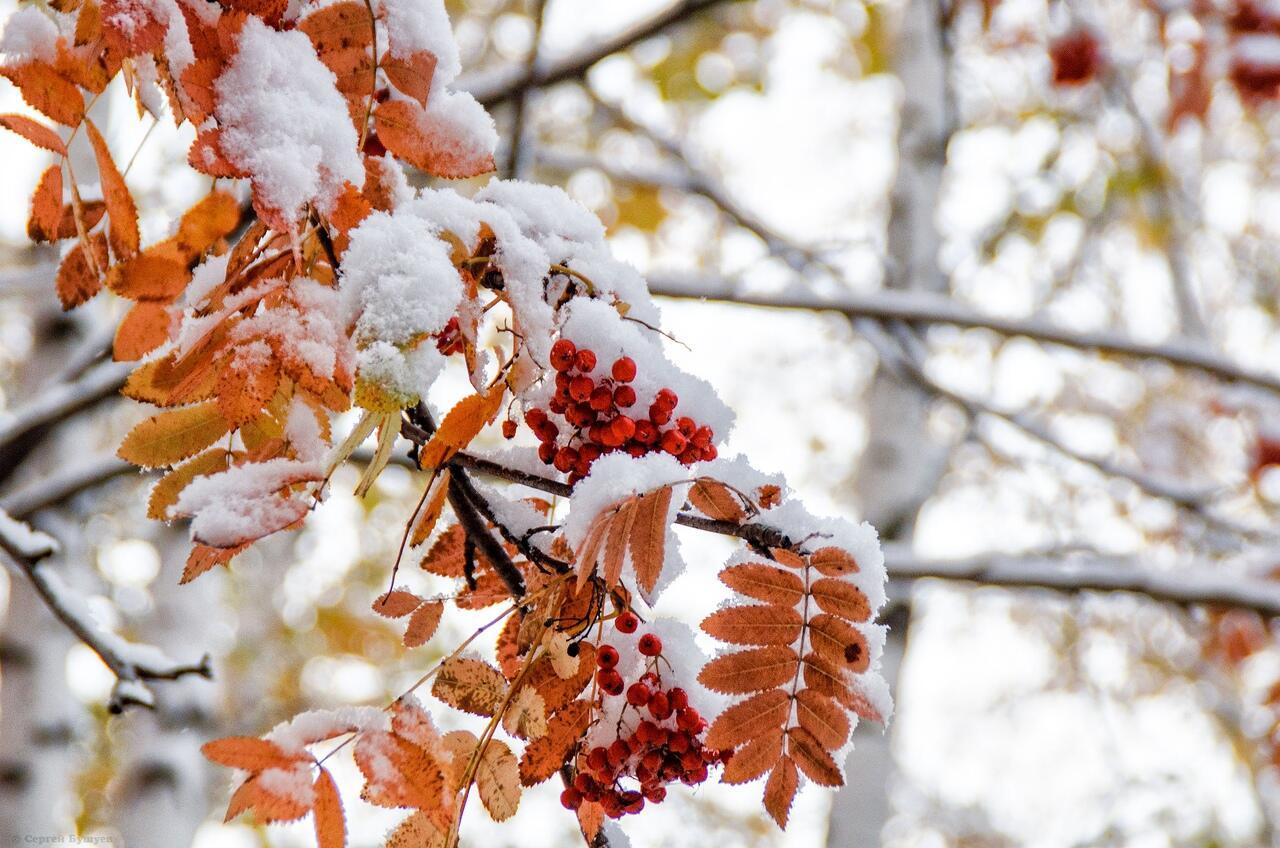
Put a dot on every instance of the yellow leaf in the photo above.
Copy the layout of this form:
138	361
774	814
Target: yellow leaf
498	780
171	437
388	431
470	685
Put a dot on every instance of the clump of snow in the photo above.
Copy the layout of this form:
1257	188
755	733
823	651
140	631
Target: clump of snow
293	783
29	35
542	211
23	540
284	121
414	25
314	726
243	503
302	429
1258	50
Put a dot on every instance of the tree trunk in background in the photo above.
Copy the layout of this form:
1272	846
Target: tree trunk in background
161	792
901	463
36	756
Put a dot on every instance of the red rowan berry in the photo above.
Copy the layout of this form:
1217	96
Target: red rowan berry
589	452
673	443
583	782
585	360
679	698
659	414
547	453
637	694
607	656
619	751
580	388
655	794
627	622
563	379
566	459
562	353
624	397
646	433
623	429
691	760
689	456
646	731
571	799
636	451
678	743
558	405
702	437
610	681
650	645
687	719
660	707
612	806
579	415
632	802
686	426
666	399
534	418
598	759
624	369
709	453
601	399
547	431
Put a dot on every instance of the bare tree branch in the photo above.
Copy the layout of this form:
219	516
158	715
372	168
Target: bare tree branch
503	85
132	664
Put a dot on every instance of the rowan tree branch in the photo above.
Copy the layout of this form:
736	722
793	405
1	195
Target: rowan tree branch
132	664
503	85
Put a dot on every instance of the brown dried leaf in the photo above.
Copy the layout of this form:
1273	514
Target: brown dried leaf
764	582
750	671
46	206
615	546
77	281
780	791
203	558
823	718
755	758
590	819
445	556
715	500
420	830
841	598
649	537
526	715
396	603
833	562
171	437
432	508
544	755
508	647
467	418
498	780
470	685
750	718
812	758
839	642
754	625
423	624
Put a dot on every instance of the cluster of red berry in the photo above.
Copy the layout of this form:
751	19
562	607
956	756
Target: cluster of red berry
660	746
594	412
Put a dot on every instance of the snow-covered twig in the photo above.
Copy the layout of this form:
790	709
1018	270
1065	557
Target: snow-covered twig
58	487
132	664
63	400
916	308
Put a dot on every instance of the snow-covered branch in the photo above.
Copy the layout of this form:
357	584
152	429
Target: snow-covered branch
63	400
132	664
916	308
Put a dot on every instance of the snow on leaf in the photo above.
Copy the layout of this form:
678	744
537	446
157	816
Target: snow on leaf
397	772
34	132
122	229
165	492
453	137
46	206
412	76
170	437
470	685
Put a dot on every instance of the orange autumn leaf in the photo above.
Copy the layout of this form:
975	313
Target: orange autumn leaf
839	642
204	558
833	562
764	583
34	132
122	226
423	624
750	671
822	718
412	76
714	500
46	206
396	604
470	685
432	508
405	130
755	758
445	556
244	388
48	91
812	758
340	26
467	418
77	281
330	822
248	753
780	791
266	806
143	329
91	212
649	537
166	490
214	217
157	274
747	719
170	437
841	598
755	624
544	756
397	772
